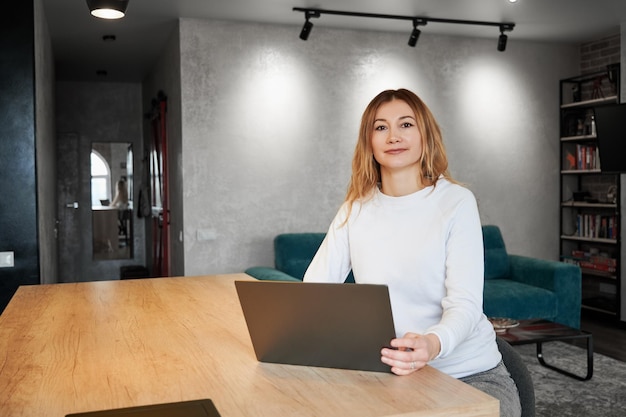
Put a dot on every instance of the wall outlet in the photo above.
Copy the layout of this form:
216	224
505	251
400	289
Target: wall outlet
7	259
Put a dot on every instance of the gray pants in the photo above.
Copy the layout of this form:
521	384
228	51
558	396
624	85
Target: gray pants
498	383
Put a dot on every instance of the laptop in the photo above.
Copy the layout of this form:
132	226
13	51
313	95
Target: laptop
194	408
318	324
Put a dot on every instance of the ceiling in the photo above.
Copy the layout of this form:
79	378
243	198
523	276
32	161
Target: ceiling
80	51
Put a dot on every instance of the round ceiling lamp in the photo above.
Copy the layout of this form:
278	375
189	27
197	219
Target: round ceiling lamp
108	9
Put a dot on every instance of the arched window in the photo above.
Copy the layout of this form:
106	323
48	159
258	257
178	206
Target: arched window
100	180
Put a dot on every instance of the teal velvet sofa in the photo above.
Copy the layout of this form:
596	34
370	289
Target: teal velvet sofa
293	252
517	287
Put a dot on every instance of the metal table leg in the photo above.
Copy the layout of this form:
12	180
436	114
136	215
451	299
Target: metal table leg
564	372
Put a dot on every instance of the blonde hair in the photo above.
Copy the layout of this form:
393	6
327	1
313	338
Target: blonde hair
366	170
121	195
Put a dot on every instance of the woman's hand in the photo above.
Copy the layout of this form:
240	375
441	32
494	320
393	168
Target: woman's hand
411	352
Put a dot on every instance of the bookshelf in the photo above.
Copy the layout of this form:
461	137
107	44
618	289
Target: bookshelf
591	211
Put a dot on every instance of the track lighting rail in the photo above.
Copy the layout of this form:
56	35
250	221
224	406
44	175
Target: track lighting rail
417	21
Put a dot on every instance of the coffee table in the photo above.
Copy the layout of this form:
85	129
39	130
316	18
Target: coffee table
541	331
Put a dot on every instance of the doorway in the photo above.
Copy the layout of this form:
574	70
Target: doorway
96	239
88	113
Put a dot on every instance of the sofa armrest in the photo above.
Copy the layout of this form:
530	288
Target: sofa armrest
266	273
561	278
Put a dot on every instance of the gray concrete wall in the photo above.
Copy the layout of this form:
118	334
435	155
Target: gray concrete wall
269	124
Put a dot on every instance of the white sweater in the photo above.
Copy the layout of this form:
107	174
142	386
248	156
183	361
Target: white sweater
427	248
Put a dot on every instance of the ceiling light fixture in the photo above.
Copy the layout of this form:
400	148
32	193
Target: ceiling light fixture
502	42
415	34
308	25
417	20
108	9
502	39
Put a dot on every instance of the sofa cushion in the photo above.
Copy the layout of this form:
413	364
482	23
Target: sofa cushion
512	299
269	274
496	259
295	251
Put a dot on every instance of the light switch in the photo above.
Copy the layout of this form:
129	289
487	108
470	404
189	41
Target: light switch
206	234
6	259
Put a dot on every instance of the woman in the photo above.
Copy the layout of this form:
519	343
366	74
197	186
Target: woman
405	223
121	195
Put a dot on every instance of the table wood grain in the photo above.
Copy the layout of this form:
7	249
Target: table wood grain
67	348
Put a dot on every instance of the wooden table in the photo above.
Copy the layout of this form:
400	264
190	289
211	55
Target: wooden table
67	348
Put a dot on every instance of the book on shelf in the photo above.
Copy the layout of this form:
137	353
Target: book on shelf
587	157
592	261
596	226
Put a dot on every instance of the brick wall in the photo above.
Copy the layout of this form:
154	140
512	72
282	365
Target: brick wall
598	186
596	55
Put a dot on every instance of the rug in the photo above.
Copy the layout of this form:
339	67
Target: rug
559	395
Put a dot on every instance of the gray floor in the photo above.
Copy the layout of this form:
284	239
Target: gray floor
558	395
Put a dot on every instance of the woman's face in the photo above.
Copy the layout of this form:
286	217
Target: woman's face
396	140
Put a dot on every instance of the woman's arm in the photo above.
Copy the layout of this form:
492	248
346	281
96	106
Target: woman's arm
331	263
464	281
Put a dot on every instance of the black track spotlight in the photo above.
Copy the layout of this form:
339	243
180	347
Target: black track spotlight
308	25
415	34
502	42
502	39
306	30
